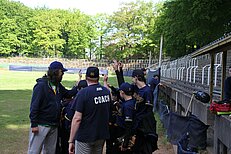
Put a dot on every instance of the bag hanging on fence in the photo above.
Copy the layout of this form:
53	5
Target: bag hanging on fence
197	133
177	126
164	113
182	145
180	125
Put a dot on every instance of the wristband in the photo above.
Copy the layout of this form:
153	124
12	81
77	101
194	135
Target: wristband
70	142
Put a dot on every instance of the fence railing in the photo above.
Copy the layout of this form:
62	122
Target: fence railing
194	70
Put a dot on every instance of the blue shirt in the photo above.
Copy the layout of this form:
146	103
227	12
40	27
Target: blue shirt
144	103
94	104
45	108
127	112
153	83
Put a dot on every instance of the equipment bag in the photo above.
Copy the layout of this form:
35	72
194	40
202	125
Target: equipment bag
221	107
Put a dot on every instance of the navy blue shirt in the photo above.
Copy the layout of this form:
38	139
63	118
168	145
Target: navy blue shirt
45	108
127	112
94	104
153	83
144	103
143	95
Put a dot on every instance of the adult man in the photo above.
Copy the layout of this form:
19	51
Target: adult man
89	127
45	110
227	86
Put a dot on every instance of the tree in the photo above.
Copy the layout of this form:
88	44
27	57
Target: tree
129	31
14	34
188	25
102	30
46	33
81	31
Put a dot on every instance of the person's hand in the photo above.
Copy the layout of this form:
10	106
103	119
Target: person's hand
120	65
122	148
162	85
76	83
80	75
105	78
71	148
115	65
35	130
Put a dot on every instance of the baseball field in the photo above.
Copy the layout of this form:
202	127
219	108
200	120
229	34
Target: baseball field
15	94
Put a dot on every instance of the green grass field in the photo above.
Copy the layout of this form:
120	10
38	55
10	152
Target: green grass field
15	94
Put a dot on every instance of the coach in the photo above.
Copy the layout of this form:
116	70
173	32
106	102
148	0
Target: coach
89	128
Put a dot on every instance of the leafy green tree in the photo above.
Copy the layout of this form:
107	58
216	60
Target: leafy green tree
188	25
46	33
102	30
14	34
80	31
129	31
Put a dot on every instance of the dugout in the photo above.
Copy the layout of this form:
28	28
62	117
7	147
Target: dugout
205	69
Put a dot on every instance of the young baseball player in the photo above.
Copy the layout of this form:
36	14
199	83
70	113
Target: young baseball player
125	118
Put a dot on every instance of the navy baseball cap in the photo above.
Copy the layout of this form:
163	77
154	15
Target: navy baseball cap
143	69
92	72
82	84
57	65
126	87
138	73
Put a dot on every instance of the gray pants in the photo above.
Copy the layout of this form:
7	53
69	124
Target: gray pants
89	148
45	140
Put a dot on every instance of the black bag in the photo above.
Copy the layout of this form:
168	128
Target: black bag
148	129
180	125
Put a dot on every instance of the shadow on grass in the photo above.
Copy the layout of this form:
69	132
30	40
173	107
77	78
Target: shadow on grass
14	120
14	117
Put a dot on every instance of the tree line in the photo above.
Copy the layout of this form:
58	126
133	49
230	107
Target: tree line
133	31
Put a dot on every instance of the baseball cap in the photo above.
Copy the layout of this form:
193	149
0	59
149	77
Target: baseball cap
143	69
138	73
126	87
92	72
57	65
82	84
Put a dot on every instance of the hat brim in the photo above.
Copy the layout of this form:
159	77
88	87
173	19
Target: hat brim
93	79
64	69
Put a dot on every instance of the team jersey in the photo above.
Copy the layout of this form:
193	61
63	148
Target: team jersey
94	104
144	103
143	95
127	112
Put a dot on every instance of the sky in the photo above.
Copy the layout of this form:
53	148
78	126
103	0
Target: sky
90	7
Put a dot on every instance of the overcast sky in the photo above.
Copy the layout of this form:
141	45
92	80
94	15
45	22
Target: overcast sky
90	7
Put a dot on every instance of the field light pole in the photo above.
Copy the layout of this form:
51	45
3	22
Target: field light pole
150	58
161	47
